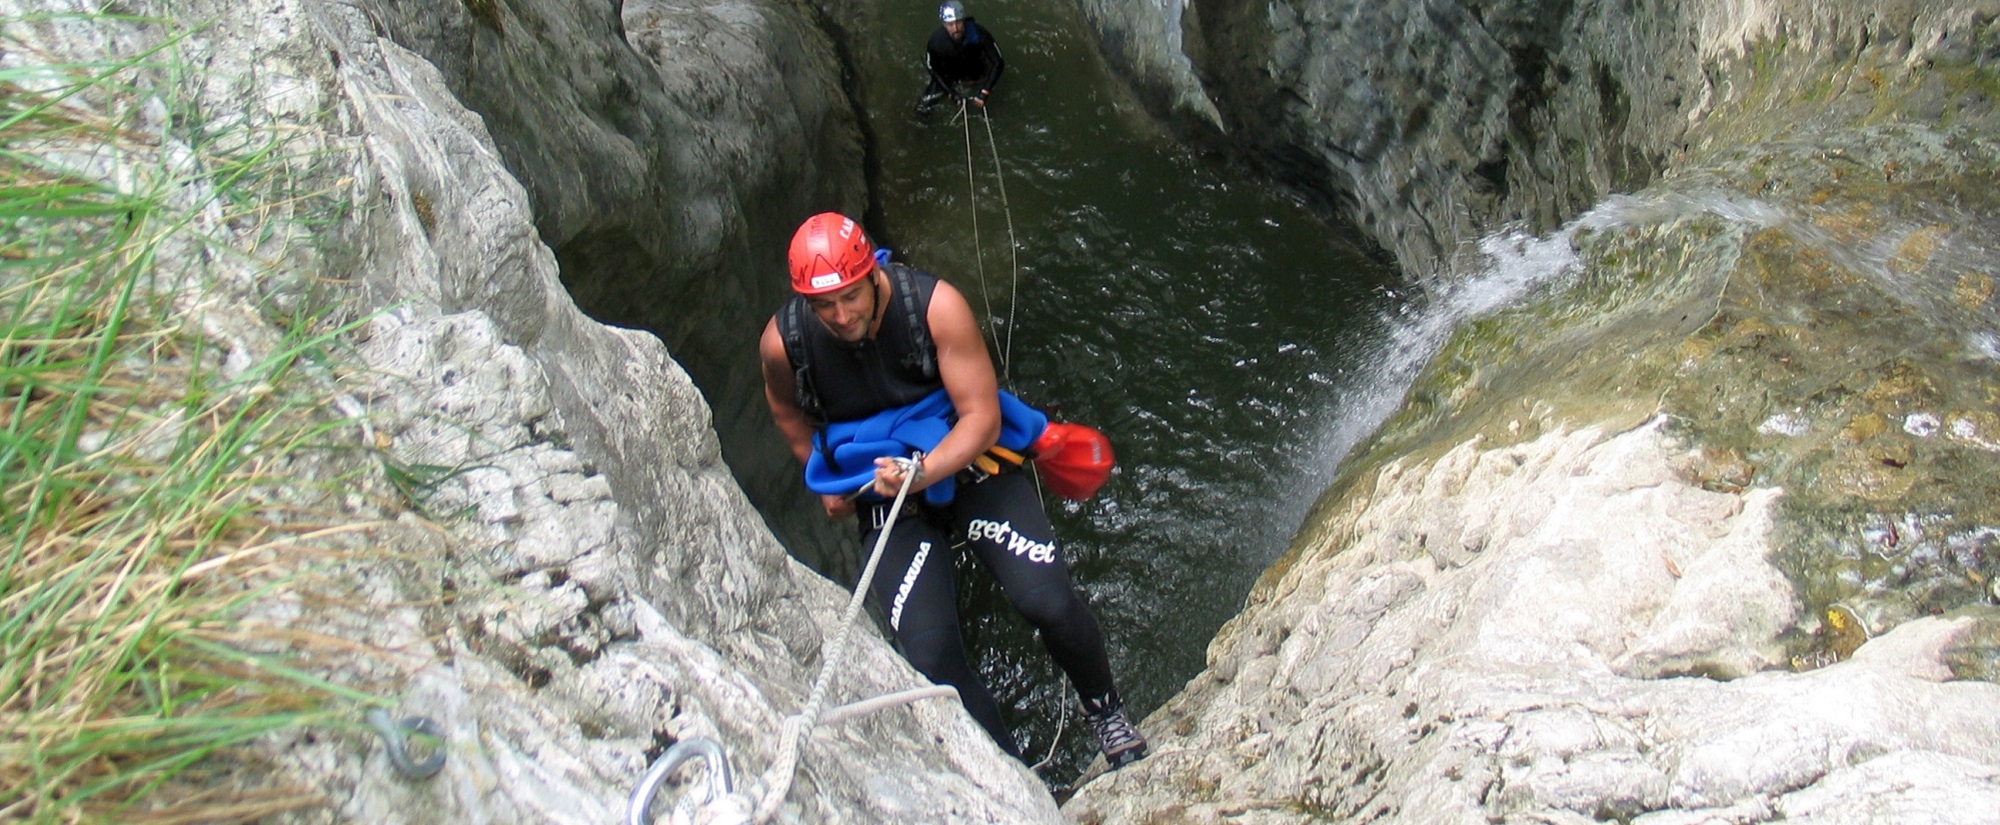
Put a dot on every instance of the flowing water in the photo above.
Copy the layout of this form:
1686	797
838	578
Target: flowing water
1235	347
1206	323
1232	345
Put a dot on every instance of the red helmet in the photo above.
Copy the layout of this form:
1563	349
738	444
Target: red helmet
1073	459
829	252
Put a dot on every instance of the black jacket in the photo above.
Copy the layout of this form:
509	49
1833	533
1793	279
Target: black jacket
975	59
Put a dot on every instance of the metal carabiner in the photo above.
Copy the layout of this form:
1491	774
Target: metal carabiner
398	746
637	809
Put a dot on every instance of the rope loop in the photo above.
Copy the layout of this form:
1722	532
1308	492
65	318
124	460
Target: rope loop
397	743
912	466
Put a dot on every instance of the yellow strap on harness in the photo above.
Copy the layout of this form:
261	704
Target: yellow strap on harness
989	462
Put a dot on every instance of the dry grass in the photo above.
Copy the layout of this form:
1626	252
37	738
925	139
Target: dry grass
151	486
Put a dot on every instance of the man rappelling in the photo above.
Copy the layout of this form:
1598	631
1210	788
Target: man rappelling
872	363
963	60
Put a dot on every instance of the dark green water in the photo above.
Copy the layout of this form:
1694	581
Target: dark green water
1203	320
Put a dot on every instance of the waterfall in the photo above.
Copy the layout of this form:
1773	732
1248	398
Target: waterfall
1512	265
1917	264
1504	269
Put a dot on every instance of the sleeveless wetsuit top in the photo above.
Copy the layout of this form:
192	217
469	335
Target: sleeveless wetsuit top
839	381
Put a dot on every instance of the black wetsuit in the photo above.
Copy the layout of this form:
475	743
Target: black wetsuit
967	66
999	517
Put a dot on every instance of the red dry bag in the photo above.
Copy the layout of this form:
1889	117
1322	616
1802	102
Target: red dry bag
1073	459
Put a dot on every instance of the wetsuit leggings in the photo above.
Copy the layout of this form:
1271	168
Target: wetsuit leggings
1003	523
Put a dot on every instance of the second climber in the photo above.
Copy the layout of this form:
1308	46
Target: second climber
962	58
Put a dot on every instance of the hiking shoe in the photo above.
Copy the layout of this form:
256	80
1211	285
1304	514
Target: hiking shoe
1120	740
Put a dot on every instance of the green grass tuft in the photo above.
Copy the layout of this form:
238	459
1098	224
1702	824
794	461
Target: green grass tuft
150	481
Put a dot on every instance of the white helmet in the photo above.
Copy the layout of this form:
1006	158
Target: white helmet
951	12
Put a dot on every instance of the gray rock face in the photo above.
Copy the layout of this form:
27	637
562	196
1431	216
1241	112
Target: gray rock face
1571	625
667	150
1424	123
1428	124
622	591
1536	633
1643	627
575	580
1149	41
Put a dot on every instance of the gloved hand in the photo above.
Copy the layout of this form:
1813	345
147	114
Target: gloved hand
980	99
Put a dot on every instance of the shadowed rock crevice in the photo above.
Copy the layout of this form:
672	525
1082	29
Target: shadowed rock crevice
665	177
1423	123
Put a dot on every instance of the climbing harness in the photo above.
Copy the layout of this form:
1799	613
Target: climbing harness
398	746
1005	350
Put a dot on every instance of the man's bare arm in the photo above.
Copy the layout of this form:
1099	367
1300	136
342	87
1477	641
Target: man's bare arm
968	378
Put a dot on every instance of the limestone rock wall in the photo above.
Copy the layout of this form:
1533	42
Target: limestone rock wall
1483	637
1428	124
575	581
1697	532
1521	604
667	149
624	593
1150	42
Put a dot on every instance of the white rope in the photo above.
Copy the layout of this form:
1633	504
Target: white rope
972	201
778	780
1005	350
856	710
1061	723
1013	248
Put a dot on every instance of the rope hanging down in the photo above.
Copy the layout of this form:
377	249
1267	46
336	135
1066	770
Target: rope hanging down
1006	350
778	780
1013	305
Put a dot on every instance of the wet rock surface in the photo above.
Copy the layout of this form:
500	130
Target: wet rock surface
1812	337
1790	326
666	150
